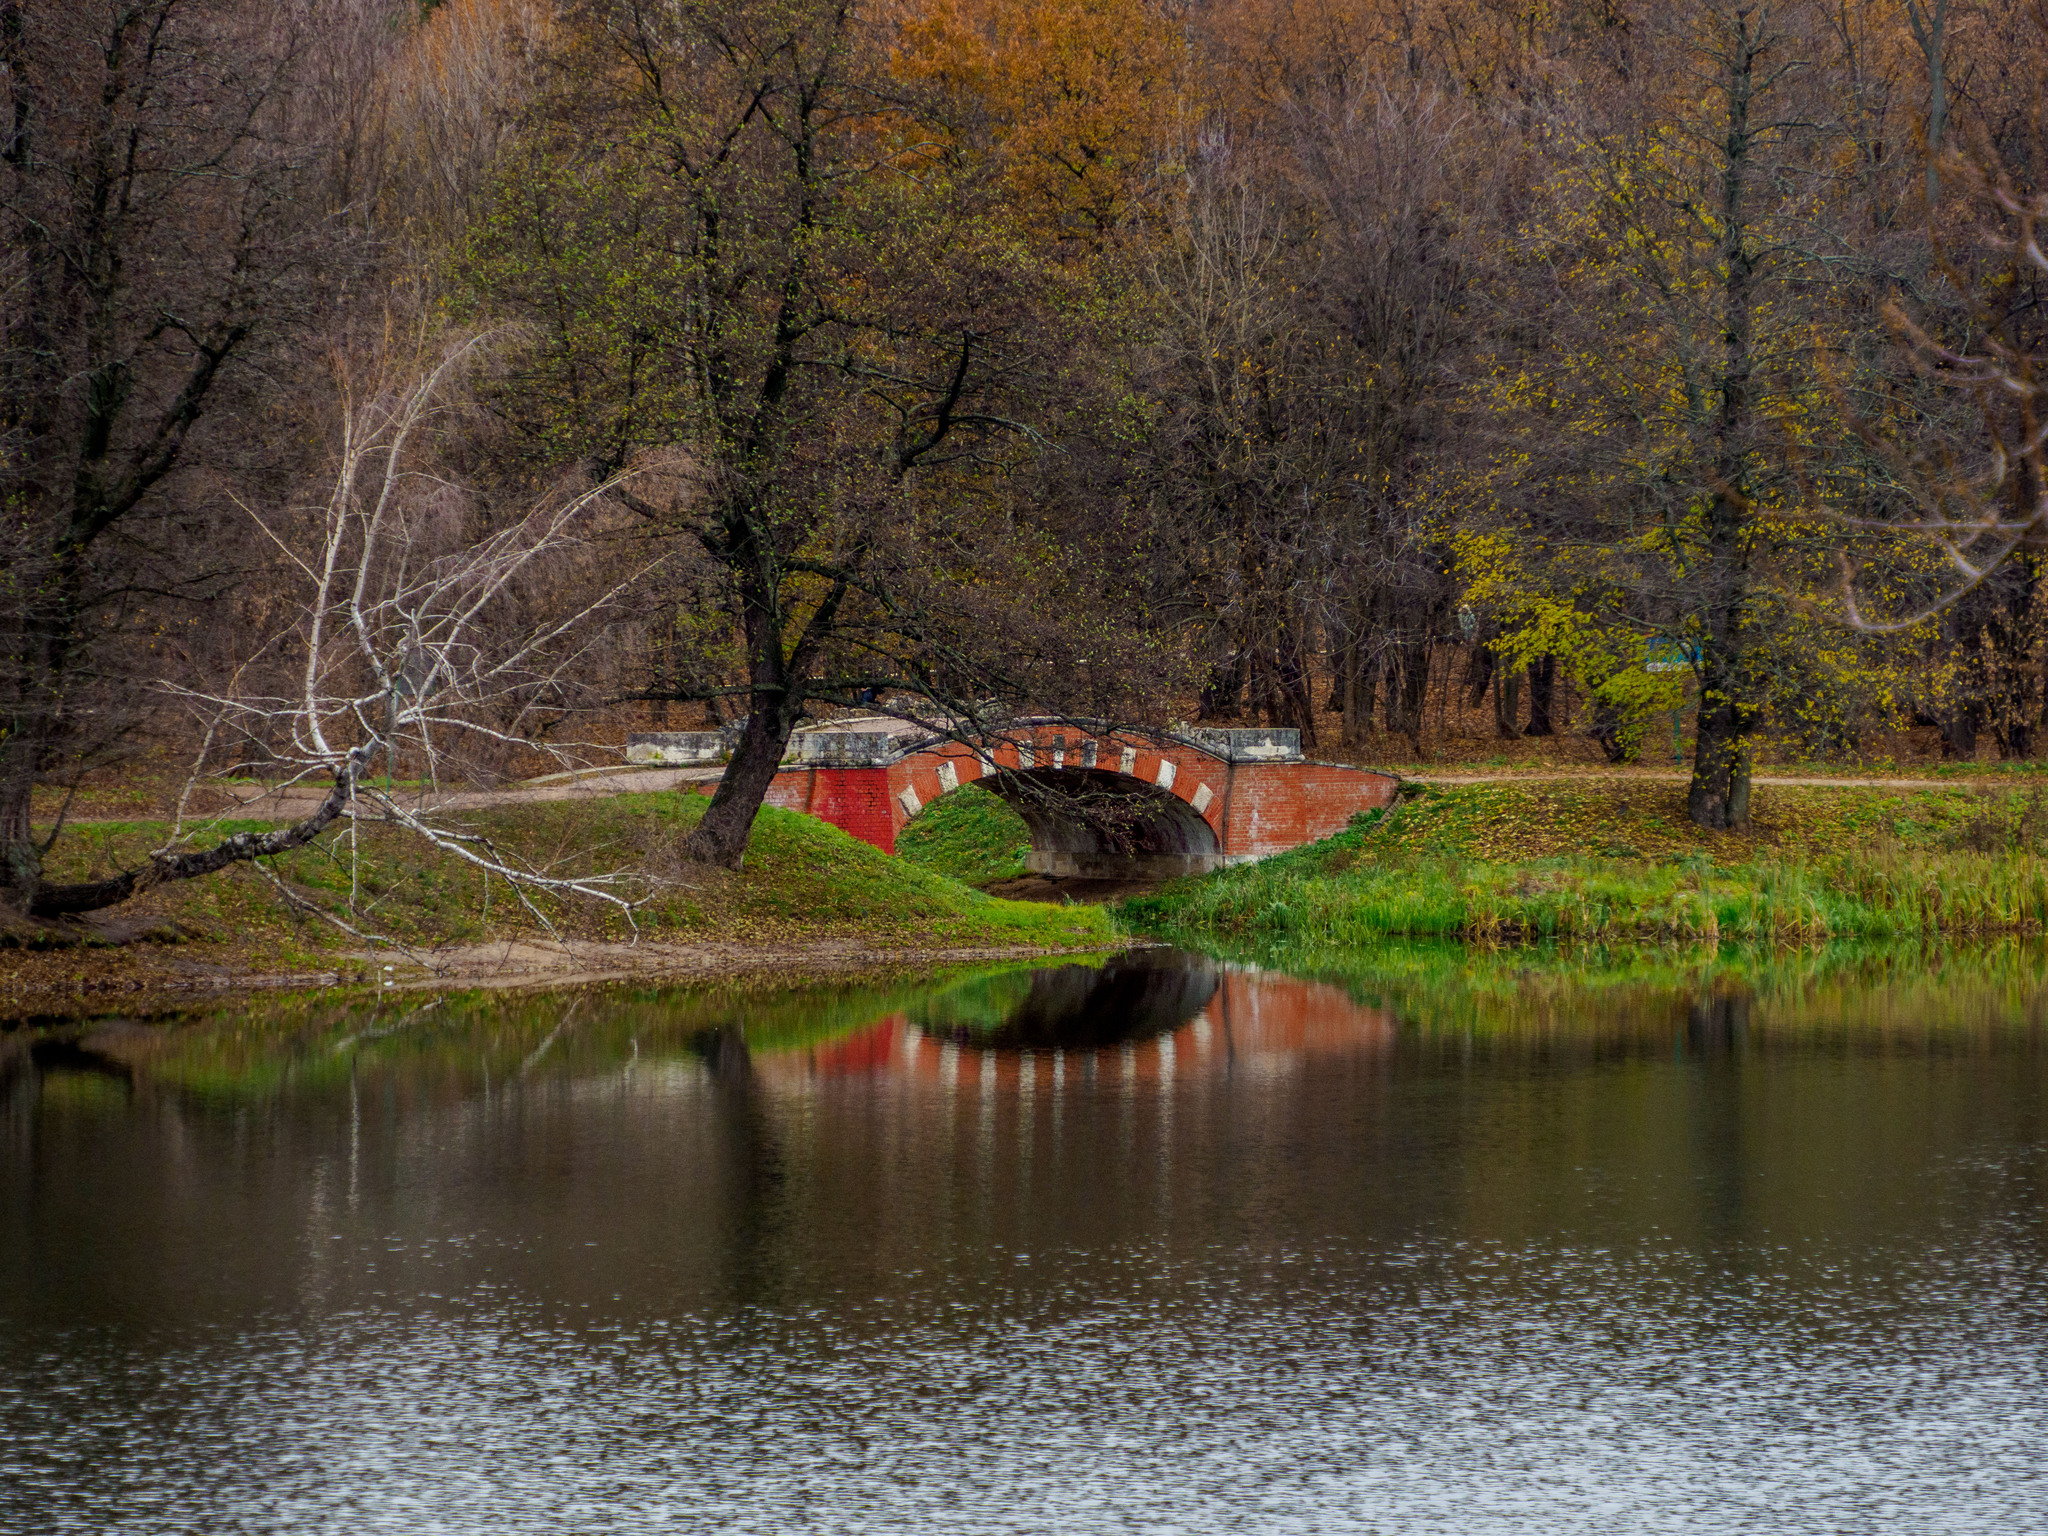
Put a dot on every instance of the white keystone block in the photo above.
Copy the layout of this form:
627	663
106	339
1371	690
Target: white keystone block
1165	773
1203	795
909	801
1130	761
985	763
1027	756
949	777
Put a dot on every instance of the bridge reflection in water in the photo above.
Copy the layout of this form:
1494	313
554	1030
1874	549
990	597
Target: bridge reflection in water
1152	1017
1150	1246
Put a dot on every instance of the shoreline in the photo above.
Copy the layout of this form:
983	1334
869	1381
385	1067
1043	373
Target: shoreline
809	903
1600	859
1534	862
133	983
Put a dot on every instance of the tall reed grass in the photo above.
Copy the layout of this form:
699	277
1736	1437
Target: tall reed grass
1321	896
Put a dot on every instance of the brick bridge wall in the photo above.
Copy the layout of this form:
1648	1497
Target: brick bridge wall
1254	807
1259	1022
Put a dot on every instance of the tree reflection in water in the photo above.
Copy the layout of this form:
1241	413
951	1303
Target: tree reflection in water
1455	1242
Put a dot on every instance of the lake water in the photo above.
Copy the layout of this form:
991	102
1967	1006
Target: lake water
1163	1246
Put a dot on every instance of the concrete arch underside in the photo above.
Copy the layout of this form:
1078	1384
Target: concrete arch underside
1095	823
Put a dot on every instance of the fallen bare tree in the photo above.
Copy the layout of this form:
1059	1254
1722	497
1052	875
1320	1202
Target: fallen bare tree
404	641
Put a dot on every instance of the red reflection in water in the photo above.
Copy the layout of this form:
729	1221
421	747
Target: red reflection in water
1254	1018
865	1050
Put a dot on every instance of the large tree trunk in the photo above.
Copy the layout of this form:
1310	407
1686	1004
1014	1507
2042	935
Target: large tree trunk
1359	687
43	646
775	699
1222	690
2015	677
1962	715
1960	725
721	837
1407	689
1294	700
1719	795
97	895
1341	650
1542	696
1479	665
1507	702
1361	694
773	711
20	859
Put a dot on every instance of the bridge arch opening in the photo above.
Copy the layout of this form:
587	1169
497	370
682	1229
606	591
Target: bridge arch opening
1093	823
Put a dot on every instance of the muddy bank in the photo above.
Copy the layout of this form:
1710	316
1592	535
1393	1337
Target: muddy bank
152	977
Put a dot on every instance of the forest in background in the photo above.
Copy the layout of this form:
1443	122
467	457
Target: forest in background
419	387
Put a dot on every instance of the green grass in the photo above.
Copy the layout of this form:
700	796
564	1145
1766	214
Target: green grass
1863	987
802	879
1617	861
970	835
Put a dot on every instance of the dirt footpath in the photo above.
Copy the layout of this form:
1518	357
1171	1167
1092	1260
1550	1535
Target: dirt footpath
600	784
302	800
1683	776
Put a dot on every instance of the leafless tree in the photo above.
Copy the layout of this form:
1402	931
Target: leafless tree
395	647
1409	191
448	108
1242	441
1314	301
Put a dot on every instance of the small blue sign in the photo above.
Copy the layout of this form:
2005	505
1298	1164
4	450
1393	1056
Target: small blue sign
1671	656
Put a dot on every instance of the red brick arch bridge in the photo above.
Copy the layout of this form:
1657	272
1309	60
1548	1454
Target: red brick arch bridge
1100	800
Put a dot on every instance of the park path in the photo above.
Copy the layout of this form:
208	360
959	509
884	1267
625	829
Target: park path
597	784
1682	776
603	783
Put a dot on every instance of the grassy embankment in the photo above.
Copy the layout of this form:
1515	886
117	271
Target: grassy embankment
804	880
969	835
1607	859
